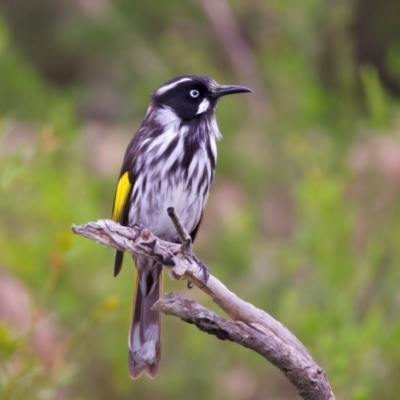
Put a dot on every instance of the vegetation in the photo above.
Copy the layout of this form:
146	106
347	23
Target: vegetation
302	220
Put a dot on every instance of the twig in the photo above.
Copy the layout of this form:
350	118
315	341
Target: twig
252	327
183	235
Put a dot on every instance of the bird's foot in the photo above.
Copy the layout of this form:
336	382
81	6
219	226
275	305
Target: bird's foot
204	269
189	284
178	240
187	244
139	228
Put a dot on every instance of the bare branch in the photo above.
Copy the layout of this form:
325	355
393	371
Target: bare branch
252	327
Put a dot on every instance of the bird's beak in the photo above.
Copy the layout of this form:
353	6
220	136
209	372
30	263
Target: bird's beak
224	90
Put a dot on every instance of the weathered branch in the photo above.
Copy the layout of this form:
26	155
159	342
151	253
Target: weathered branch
251	327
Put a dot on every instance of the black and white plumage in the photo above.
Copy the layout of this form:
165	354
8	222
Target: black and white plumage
170	162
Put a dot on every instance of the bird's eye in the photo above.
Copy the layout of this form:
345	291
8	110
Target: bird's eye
194	93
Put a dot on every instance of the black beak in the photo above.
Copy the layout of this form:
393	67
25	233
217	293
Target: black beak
224	90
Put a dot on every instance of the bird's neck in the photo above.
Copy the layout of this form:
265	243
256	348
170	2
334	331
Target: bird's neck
204	125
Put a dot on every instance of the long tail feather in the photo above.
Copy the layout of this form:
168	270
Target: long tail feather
118	259
145	332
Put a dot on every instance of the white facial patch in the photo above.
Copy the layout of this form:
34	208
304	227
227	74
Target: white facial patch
203	106
166	116
165	88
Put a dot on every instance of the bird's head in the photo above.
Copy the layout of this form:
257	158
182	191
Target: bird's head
191	96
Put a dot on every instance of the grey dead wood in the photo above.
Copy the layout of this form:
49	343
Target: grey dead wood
250	327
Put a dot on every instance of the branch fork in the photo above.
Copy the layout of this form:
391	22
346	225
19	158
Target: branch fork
250	327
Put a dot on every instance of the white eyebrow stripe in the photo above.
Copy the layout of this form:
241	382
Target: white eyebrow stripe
164	89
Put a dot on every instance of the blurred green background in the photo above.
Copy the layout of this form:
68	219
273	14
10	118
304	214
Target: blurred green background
303	219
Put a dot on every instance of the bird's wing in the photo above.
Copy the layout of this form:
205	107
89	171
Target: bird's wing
126	182
126	185
124	188
193	234
120	210
195	230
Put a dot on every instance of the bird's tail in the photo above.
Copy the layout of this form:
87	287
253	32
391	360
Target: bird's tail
145	331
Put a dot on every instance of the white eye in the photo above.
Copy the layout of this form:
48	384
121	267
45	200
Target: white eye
194	93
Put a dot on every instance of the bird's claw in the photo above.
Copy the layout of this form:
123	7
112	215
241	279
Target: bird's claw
204	269
139	228
189	284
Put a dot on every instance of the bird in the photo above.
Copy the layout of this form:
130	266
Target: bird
169	162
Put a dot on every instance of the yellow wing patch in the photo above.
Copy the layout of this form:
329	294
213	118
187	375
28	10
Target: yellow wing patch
123	188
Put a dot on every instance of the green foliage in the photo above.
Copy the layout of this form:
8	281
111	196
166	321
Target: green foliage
302	220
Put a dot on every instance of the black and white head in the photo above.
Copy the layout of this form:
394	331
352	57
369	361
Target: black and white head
190	97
